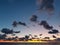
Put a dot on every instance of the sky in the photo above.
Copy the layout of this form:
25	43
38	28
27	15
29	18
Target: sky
22	10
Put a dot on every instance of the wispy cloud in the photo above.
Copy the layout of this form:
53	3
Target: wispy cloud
47	5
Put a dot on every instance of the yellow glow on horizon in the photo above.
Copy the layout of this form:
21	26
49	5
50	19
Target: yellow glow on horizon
52	38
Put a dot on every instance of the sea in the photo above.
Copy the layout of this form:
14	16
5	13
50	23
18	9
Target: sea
29	43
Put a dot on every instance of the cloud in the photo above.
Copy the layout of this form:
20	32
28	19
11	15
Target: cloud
16	31
13	34
59	25
48	27
14	24
47	5
40	34
26	37
46	37
45	25
58	39
2	36
54	36
8	31
33	18
21	23
54	31
22	38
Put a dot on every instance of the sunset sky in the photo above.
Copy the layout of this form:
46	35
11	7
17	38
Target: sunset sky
22	10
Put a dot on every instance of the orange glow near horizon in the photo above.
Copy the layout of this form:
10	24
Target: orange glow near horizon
31	41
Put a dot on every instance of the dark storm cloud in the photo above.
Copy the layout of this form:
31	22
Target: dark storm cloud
33	18
54	31
46	25
8	31
46	5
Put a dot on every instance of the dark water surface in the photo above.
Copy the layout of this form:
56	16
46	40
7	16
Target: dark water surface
29	43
